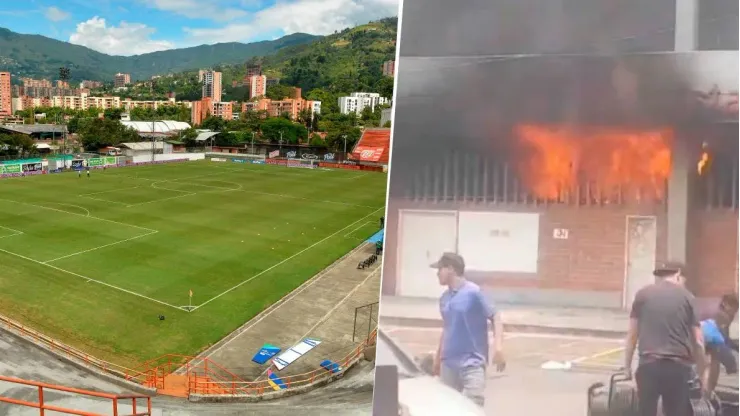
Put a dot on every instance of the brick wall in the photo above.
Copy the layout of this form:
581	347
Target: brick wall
713	250
593	257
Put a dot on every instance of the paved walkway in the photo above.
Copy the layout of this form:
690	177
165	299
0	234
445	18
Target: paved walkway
610	323
322	308
352	395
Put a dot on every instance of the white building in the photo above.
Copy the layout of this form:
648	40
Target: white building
315	107
358	101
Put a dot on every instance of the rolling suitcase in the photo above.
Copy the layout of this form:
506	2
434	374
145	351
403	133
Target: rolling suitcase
619	398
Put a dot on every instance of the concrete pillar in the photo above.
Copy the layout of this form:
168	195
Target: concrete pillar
686	30
678	201
687	12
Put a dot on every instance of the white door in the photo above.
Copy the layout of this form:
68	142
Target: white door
423	237
642	234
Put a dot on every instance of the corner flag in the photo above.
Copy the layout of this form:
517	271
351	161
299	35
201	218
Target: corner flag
191	293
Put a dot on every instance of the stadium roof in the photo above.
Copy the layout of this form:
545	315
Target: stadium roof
162	127
376	143
34	128
142	146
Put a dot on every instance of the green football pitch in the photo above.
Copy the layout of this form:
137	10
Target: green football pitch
94	261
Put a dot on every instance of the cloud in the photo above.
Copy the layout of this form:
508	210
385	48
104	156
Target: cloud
55	14
196	9
318	17
125	39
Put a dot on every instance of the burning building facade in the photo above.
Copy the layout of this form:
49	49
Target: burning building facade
563	178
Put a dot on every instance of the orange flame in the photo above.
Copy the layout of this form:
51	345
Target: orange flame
704	160
561	158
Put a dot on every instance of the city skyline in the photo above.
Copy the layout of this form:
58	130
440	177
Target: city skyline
126	28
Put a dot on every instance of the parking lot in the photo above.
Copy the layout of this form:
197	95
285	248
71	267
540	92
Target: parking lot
525	388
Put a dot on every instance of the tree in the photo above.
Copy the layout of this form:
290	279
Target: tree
279	92
275	128
316	140
213	123
113	113
97	133
17	145
188	137
384	87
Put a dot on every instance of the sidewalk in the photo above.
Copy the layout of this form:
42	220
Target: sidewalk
609	323
418	312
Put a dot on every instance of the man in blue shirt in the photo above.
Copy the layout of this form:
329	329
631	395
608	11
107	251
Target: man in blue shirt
718	346
463	355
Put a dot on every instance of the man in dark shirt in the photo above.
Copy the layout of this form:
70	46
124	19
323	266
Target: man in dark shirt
664	321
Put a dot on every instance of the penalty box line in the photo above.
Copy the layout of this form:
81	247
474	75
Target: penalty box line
88	279
149	232
284	260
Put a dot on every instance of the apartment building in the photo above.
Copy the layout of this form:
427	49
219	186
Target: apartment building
91	84
128	104
292	106
222	110
25	102
36	83
257	86
389	68
253	70
212	87
199	110
103	102
121	80
6	95
358	101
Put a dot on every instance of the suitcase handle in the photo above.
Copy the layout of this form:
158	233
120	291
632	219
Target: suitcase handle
613	380
590	392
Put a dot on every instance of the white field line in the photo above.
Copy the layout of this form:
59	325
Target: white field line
15	232
74	213
356	176
102	200
327	315
154	185
88	279
99	247
284	260
109	191
159	200
282	302
357	228
74	206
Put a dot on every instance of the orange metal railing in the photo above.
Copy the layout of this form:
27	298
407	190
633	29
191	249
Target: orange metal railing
139	376
204	376
206	385
42	406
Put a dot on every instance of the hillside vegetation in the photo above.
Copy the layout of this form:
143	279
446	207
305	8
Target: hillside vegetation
37	56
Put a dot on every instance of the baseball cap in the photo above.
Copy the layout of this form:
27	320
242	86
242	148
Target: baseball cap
449	259
669	268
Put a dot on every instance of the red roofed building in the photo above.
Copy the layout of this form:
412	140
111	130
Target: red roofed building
374	146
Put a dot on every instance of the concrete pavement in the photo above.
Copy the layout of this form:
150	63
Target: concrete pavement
350	395
596	322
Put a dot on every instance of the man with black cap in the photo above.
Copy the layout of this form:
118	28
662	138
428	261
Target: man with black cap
664	321
463	354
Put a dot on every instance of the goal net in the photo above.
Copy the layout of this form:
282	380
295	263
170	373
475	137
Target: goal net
303	163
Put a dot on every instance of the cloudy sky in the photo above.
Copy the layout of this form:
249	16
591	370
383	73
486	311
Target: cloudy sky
130	27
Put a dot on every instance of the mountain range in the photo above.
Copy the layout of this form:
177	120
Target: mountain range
38	56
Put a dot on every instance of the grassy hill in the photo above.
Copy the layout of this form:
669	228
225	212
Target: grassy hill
40	57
